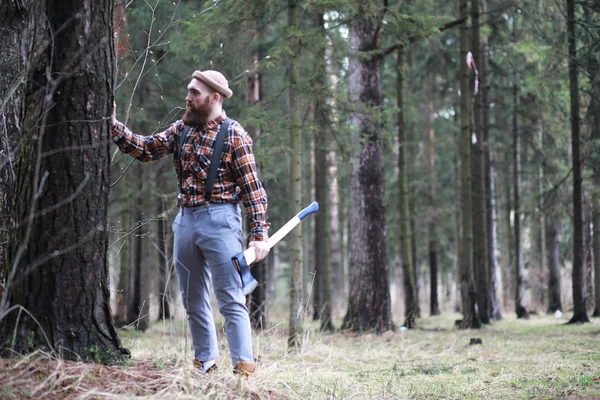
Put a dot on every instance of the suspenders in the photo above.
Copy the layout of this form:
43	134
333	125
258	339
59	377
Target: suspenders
214	162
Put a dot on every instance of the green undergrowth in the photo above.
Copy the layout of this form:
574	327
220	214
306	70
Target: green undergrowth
536	358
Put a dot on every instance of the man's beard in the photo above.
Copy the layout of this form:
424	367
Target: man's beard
193	117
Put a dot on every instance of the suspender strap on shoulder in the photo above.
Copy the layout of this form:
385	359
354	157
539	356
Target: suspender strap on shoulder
216	159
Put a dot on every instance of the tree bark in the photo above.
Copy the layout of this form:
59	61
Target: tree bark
139	295
121	318
593	118
410	280
14	16
323	134
337	268
434	308
554	292
537	254
165	311
490	199
579	296
466	273
520	307
508	200
596	214
58	246
480	258
311	274
369	300
259	297
296	316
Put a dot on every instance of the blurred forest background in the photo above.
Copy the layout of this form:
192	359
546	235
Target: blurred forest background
452	146
396	147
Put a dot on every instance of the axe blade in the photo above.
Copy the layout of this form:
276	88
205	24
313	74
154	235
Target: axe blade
241	264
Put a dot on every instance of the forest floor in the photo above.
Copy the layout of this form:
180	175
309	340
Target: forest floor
538	358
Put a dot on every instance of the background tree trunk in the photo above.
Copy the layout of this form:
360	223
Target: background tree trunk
165	310
490	199
58	247
554	292
538	266
520	307
579	295
369	300
466	274
138	294
323	135
434	308
295	237
337	268
410	280
480	259
594	109
259	297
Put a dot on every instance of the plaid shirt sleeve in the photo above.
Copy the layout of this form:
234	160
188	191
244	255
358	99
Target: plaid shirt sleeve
252	191
146	148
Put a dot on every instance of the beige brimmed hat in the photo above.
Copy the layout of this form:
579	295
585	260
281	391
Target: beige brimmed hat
215	80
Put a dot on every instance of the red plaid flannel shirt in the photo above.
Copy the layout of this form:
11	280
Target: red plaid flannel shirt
236	176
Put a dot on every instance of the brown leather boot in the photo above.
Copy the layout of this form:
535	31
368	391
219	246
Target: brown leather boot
199	365
244	368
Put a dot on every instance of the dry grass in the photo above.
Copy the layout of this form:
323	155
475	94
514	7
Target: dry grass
539	358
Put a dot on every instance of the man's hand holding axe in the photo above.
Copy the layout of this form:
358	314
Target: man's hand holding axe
258	250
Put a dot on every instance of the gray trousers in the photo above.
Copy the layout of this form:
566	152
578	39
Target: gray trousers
205	240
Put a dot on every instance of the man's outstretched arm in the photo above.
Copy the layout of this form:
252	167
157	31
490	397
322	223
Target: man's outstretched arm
144	148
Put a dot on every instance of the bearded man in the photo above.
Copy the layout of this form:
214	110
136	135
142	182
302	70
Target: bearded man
207	229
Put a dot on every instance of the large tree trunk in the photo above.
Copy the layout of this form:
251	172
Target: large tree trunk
14	16
296	313
434	308
579	295
480	259
410	279
466	274
520	307
58	245
369	301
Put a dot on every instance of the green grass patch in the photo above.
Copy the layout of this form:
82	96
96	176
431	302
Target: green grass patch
538	358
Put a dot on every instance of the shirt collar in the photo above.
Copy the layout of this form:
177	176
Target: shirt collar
212	125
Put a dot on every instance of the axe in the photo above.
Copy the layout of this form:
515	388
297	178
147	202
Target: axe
242	261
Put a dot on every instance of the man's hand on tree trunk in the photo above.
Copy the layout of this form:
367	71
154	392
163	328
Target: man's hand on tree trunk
114	114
